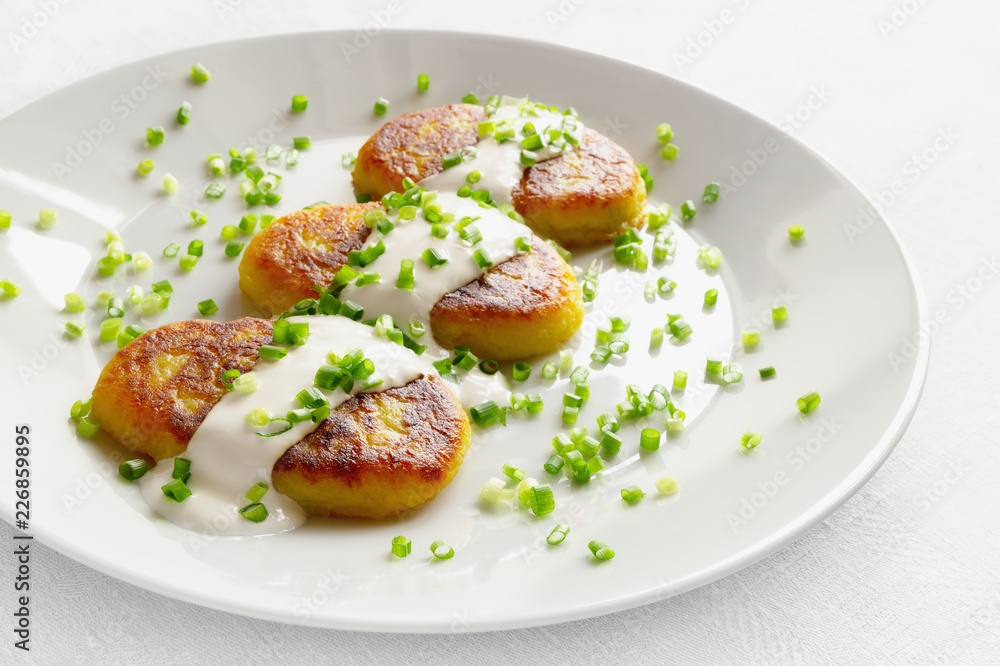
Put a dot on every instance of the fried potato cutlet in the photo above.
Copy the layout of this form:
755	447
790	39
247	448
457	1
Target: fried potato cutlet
527	305
584	196
376	454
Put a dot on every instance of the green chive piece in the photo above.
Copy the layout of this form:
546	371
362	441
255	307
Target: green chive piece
130	470
434	257
10	288
600	550
233	248
557	535
750	440
711	194
779	314
667	485
170	184
145	167
75	328
485	413
808	402
88	427
299	103
751	337
154	136
176	490
301	142
632	494
184	113
541	500
664	133
441	550
554	464
669	152
5	218
470	98
381	106
649	439
688	211
401	546
521	371
796	231
255	512
188	261
199	73
208	307
258	491
423	82
711	297
769	371
680	380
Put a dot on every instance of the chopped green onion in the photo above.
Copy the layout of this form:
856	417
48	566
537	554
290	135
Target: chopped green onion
554	464
680	380
483	258
75	302
710	256
299	103
493	490
145	167
110	328
5	218
521	371
199	74
649	439
182	469
130	470
301	142
423	82
171	250
229	232
796	231
535	403
485	413
434	257
667	485
79	409
75	328
731	373
541	500
442	551
381	106
176	490
233	248
401	546
769	371
549	370
664	133
711	194
513	472
751	337
170	184
259	417
808	402
528	158
470	98
600	550
557	535
779	314
154	136
711	297
451	160
688	211
257	492
669	152
750	439
183	113
189	261
88	427
255	512
632	494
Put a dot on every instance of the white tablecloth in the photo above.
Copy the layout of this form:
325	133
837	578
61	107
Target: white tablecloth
908	571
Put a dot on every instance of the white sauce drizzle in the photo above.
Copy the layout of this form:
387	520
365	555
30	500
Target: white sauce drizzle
228	456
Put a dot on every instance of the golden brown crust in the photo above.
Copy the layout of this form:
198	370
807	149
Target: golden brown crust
378	453
585	196
525	306
284	261
156	391
413	145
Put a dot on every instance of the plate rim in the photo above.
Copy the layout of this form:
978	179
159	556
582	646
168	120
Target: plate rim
779	540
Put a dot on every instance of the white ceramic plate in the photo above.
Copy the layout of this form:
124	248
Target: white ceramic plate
855	314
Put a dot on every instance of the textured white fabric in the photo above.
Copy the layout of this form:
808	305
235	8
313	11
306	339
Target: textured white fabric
908	571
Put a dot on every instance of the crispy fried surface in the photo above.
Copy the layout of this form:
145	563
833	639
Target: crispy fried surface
282	263
378	453
412	145
585	196
156	391
525	306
